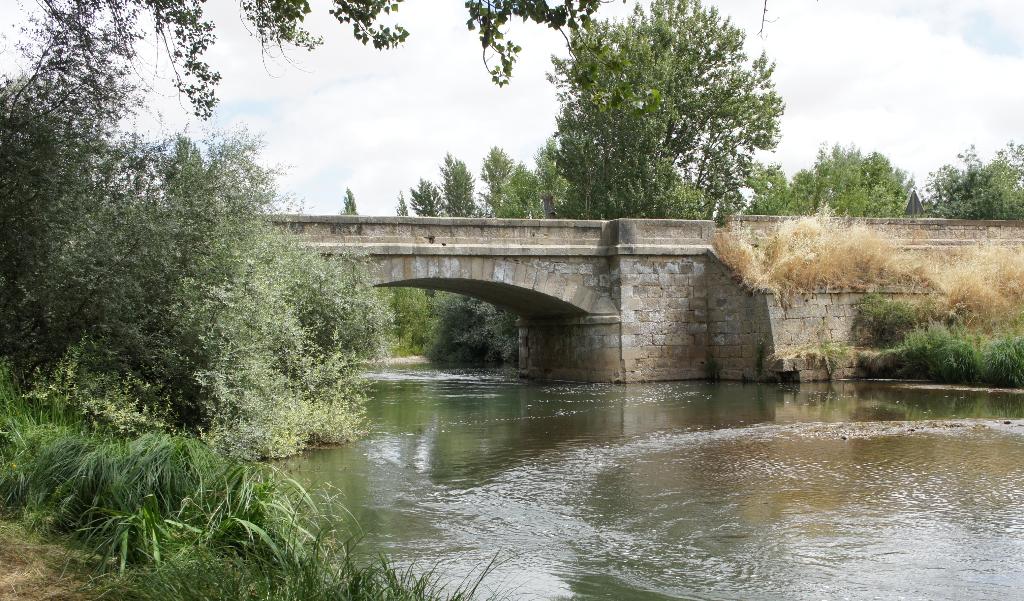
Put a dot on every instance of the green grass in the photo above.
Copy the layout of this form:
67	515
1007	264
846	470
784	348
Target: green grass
308	578
953	356
1003	361
941	354
165	517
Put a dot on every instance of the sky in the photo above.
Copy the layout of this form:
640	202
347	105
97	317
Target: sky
919	81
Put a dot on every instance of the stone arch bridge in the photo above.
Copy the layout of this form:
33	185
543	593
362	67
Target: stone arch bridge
611	301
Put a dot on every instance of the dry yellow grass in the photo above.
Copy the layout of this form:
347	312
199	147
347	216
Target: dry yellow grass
819	252
33	570
980	286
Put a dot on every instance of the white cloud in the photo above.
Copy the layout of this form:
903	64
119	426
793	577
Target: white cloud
908	79
919	81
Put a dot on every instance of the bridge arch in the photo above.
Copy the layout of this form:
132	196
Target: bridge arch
528	288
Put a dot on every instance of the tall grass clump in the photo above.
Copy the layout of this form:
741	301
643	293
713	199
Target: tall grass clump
940	354
1003	361
981	286
147	499
142	499
315	576
815	252
167	518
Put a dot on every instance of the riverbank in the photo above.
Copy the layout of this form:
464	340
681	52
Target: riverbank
162	517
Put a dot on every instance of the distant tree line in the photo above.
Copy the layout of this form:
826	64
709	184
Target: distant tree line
506	188
688	151
683	144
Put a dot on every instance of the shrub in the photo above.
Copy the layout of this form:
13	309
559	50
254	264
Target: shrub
827	354
884	363
884	322
1003	361
940	354
471	331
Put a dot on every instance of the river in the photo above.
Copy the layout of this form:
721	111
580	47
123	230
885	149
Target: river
688	490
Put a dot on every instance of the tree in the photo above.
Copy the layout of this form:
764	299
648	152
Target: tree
851	183
469	330
770	193
976	190
350	203
182	28
496	173
425	199
402	210
845	179
457	185
690	154
550	180
152	292
524	189
522	195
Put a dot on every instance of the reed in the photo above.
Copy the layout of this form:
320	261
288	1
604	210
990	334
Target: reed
940	354
1003	361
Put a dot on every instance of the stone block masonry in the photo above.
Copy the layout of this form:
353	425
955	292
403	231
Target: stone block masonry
628	300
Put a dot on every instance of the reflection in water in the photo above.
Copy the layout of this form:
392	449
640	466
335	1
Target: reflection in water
685	490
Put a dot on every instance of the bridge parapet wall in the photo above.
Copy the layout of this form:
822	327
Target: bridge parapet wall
472	236
910	233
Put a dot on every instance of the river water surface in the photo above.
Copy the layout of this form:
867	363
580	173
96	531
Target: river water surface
687	490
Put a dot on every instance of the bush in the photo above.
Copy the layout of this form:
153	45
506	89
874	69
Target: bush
940	354
149	290
1003	361
884	322
471	331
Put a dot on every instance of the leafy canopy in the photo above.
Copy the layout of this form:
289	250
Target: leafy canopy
978	190
688	153
425	199
184	30
458	188
146	287
349	207
845	179
402	208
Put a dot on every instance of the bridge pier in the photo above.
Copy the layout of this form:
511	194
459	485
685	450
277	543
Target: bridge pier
581	349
